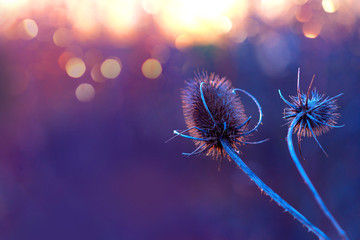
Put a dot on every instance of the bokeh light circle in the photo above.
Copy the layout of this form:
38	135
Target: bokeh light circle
85	92
151	68
31	28
96	74
311	29
330	6
75	67
111	68
62	37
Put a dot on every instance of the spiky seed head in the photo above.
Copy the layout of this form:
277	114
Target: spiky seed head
226	109
320	113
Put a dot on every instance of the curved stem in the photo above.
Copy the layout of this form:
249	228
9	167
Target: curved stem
281	202
308	182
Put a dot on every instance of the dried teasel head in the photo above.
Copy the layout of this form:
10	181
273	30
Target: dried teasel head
214	112
314	113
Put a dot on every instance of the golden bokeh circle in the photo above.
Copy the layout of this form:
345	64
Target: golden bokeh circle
151	68
111	68
85	92
75	67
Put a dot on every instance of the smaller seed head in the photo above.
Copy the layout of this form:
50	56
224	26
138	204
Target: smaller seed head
320	112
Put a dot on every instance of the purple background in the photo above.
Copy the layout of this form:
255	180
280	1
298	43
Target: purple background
101	170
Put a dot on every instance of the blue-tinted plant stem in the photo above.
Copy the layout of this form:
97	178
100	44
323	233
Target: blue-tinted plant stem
308	181
281	202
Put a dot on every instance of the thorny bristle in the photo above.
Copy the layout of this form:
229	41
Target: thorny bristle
221	117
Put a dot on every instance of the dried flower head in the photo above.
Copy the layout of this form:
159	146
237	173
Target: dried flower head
212	113
314	113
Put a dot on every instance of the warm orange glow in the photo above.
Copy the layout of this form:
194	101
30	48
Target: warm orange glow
183	41
64	58
225	24
111	68
75	67
152	6
82	15
271	9
311	29
180	22
85	92
12	4
201	20
120	17
151	68
300	2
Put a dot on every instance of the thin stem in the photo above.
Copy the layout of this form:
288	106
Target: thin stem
281	202
308	182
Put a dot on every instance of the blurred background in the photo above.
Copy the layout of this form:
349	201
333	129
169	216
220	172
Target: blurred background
90	91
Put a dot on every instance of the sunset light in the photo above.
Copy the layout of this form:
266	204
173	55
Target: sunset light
181	22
